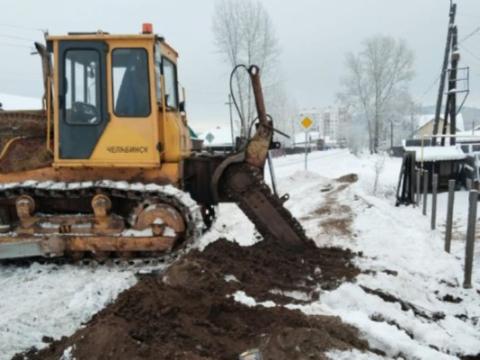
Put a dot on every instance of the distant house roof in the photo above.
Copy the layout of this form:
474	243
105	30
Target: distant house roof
426	118
437	153
16	102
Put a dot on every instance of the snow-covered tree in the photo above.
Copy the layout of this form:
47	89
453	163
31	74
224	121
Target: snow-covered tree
244	34
376	82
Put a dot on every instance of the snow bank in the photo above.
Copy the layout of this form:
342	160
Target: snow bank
402	258
437	153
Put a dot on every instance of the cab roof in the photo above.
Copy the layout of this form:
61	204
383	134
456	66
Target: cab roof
100	35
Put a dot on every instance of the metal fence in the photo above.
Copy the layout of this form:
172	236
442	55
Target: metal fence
471	219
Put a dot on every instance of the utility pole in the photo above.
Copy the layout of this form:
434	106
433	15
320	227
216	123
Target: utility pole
451	106
453	11
453	85
230	103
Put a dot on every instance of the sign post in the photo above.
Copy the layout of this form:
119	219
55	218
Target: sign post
306	123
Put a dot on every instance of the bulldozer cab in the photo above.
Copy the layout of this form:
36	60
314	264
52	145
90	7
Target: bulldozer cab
114	102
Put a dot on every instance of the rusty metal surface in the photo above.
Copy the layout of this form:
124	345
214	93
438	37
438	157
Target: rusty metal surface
104	230
103	221
240	179
16	247
257	148
119	243
149	214
244	184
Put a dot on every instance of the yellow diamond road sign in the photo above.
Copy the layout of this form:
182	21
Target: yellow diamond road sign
306	122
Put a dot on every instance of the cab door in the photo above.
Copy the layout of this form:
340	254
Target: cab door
82	97
131	138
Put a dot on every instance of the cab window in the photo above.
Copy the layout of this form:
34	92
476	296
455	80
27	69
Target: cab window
82	87
131	89
170	74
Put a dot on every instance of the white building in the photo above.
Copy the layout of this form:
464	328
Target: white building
332	123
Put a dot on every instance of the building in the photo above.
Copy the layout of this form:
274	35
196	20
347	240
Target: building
426	124
332	124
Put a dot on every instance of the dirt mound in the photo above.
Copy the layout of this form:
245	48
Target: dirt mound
190	313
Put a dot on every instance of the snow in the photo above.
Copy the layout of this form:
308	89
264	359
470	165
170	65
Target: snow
67	354
231	224
16	102
401	257
138	233
314	136
469	136
50	300
349	355
437	153
230	278
241	297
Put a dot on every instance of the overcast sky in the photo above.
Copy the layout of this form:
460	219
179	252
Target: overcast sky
314	36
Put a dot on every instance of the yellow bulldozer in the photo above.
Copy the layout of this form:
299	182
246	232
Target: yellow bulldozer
107	167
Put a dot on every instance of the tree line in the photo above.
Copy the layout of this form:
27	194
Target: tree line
375	88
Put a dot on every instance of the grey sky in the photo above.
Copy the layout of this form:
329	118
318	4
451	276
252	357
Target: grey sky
314	36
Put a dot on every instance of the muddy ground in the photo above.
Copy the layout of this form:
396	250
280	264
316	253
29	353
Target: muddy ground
189	311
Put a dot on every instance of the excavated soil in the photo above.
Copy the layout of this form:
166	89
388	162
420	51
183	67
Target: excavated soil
189	311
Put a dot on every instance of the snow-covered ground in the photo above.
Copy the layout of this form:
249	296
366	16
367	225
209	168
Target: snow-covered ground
47	300
402	259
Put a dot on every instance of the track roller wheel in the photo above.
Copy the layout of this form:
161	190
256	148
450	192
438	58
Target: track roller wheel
162	219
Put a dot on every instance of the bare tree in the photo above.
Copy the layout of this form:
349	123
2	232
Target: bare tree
284	111
403	117
375	78
244	34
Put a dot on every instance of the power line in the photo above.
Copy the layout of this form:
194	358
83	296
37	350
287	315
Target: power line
19	27
470	52
469	16
437	78
14	37
471	34
16	45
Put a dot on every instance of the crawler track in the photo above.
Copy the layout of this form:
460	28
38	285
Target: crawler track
125	197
